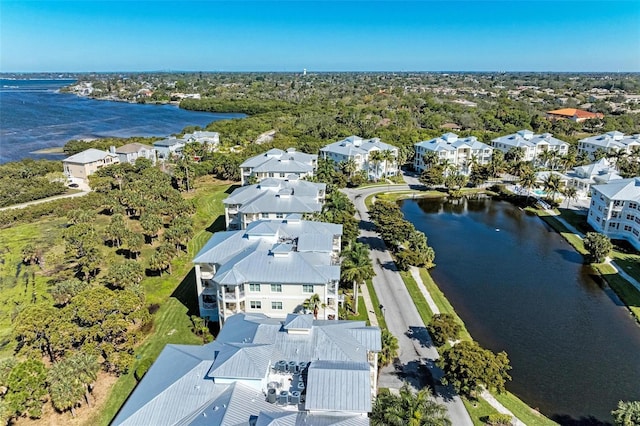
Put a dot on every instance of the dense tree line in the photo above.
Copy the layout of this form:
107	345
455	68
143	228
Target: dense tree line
245	106
28	180
408	245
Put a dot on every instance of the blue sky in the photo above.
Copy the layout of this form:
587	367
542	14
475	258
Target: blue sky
320	36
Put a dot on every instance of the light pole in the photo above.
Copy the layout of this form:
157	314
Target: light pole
382	309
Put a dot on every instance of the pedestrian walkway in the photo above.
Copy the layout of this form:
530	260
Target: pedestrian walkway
500	408
415	273
368	303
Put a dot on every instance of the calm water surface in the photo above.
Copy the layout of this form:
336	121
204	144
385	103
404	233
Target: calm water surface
33	116
519	287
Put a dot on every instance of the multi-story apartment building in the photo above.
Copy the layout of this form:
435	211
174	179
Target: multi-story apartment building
598	173
615	210
463	153
272	199
609	143
361	152
272	267
278	164
532	145
80	166
262	371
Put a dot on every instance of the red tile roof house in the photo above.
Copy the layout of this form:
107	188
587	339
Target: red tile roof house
573	114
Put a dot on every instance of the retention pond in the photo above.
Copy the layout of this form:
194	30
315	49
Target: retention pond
521	288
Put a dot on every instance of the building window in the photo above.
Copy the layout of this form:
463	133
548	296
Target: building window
279	215
627	228
264	215
276	306
254	287
276	288
630	217
282	174
635	232
270	174
255	304
633	205
307	288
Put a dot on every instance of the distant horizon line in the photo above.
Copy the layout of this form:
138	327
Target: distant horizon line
322	72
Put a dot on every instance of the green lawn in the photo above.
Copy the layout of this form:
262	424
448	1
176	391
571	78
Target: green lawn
628	293
522	411
21	285
418	299
362	312
478	409
376	305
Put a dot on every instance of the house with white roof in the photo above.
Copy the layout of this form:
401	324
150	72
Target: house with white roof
264	372
598	173
130	152
360	151
532	145
610	142
615	210
169	147
278	164
210	139
80	166
271	267
272	199
463	153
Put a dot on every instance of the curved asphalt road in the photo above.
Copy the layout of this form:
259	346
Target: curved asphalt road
417	353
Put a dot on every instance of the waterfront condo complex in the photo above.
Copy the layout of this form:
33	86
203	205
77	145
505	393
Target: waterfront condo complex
371	156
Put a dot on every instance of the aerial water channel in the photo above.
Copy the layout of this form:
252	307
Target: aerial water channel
521	288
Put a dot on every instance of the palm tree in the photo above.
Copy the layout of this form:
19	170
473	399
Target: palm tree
570	193
552	184
430	158
375	158
408	408
312	304
85	368
356	267
389	348
387	155
349	166
527	180
545	157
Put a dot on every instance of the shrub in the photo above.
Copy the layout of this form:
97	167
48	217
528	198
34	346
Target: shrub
598	245
498	420
443	327
142	368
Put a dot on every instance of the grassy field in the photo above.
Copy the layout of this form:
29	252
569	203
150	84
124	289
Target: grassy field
21	285
376	305
478	410
529	416
362	312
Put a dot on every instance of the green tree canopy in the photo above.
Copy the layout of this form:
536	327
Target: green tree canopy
408	408
598	245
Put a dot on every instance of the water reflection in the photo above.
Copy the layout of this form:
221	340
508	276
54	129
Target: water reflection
520	287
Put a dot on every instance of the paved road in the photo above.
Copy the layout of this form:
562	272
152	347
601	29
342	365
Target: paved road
44	200
417	353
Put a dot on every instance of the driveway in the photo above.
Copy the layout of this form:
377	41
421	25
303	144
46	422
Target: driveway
417	354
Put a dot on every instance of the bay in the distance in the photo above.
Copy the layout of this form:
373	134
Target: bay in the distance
35	116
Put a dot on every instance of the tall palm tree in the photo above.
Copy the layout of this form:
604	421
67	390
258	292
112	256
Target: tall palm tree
389	350
430	158
348	166
570	193
527	180
356	267
375	158
312	304
552	184
387	155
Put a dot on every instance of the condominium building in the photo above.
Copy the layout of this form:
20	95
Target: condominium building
278	164
532	145
609	143
598	173
463	153
615	210
361	152
272	199
271	267
264	372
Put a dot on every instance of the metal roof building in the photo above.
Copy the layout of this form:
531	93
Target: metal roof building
309	372
278	164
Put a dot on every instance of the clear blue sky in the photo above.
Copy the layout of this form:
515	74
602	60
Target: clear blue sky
320	36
